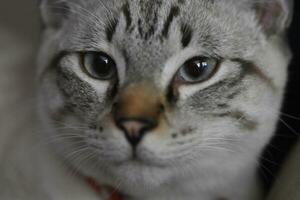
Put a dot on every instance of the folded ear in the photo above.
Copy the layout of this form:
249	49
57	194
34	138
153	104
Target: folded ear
54	13
275	16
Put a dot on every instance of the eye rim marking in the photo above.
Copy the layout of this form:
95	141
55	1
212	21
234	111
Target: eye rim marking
253	68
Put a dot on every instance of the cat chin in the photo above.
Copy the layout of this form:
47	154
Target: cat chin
138	178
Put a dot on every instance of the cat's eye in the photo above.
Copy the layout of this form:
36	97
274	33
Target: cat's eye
99	65
196	70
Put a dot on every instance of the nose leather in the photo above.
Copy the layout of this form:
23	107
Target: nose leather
135	128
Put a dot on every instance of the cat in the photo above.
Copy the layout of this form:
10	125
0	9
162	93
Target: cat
160	100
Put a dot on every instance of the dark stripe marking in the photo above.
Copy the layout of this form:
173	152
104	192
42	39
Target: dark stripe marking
181	1
111	29
263	76
140	28
173	13
223	105
186	35
242	118
126	12
252	68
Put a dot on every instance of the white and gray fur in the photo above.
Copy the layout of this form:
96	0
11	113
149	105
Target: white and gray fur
216	130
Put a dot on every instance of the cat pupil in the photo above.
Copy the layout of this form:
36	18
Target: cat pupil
195	68
99	65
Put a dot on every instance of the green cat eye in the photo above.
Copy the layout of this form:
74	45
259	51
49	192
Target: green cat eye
196	70
99	65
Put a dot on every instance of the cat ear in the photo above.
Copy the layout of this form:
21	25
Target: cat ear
275	16
54	13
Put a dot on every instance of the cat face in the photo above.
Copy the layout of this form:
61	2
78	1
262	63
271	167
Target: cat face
153	91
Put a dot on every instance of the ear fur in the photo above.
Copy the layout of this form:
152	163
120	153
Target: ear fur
54	13
275	16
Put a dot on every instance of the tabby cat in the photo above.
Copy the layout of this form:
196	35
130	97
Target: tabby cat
160	100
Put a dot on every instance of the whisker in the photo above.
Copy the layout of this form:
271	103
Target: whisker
290	116
289	127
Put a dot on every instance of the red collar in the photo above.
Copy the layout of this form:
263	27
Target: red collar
114	195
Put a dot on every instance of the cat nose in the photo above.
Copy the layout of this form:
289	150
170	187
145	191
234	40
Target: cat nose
135	128
137	110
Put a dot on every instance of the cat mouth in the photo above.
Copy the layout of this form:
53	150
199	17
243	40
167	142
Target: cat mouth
137	160
138	163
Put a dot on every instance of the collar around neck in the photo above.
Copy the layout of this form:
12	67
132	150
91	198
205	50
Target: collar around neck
113	193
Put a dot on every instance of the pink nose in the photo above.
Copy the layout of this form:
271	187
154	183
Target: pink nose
135	128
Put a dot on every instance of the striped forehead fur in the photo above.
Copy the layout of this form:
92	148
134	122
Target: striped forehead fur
195	28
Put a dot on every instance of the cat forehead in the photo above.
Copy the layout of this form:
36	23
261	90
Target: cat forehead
149	24
152	14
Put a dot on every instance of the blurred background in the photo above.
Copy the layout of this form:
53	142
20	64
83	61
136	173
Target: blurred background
19	38
20	18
